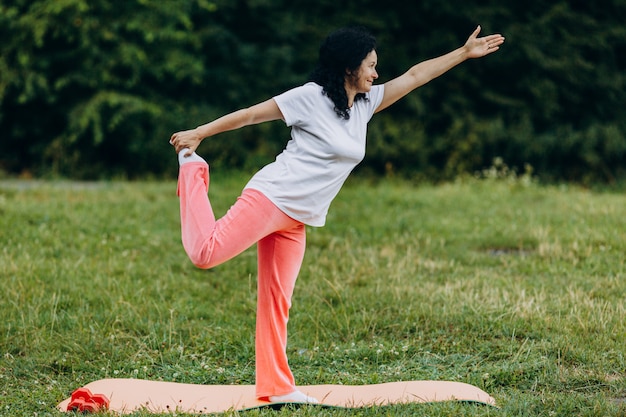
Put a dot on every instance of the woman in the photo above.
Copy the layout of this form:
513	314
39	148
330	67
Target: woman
328	117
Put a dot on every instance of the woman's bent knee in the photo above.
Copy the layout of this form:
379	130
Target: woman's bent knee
200	257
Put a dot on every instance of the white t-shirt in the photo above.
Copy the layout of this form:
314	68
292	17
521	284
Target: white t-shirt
323	150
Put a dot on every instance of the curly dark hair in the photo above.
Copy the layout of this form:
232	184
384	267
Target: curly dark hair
344	49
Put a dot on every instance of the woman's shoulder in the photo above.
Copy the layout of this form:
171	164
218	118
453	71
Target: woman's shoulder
309	87
309	91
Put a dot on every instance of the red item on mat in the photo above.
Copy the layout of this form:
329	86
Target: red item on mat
84	401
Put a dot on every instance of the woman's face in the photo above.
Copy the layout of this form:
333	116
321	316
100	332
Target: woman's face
363	79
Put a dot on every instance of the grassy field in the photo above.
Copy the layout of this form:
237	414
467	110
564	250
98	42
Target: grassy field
517	288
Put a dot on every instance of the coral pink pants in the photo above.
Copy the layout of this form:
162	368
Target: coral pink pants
280	242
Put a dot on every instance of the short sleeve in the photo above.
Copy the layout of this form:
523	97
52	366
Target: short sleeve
376	95
298	103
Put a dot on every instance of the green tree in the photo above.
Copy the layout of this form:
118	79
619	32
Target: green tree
92	89
86	83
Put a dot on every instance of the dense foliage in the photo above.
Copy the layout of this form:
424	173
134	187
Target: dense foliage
94	88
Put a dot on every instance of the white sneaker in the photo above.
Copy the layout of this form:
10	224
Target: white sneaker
294	397
194	157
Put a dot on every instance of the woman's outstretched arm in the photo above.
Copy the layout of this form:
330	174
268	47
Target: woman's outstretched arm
259	113
426	71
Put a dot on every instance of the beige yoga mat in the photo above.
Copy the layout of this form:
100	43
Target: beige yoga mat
129	395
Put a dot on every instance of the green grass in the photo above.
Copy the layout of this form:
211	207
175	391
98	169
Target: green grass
517	288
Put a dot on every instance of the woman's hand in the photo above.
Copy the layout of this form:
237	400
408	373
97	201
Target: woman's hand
476	47
186	139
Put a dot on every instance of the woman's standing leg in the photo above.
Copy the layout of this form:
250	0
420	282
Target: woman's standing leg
280	257
281	244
